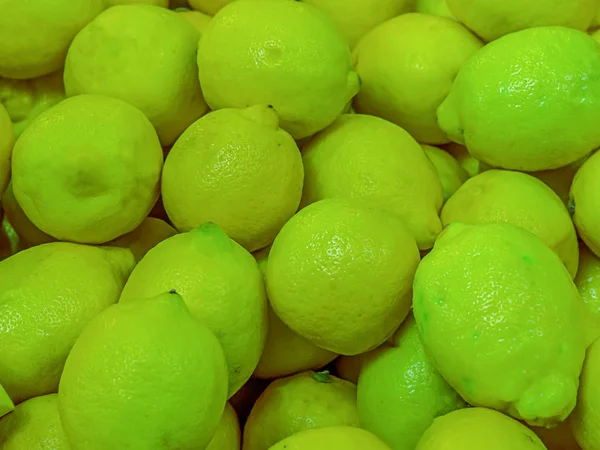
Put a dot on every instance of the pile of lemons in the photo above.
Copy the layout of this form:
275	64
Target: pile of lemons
300	224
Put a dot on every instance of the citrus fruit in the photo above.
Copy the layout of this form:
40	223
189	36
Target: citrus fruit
49	293
145	237
585	204
221	285
87	170
210	7
585	421
6	404
303	69
7	141
555	121
588	279
561	179
340	274
499	315
235	168
327	438
163	3
121	382
228	435
434	7
449	170
114	54
296	403
407	66
196	18
471	165
400	392
370	159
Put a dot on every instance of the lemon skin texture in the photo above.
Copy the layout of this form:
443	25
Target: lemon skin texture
34	424
400	392
121	382
370	159
585	421
235	168
221	285
584	202
327	438
451	174
293	404
303	69
84	183
492	19
518	199
499	315
49	293
36	34
512	114
339	274
7	141
407	66
228	435
477	428
144	55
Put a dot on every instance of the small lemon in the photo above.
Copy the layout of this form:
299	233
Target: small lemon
145	237
6	404
434	7
450	172
407	66
588	280
235	168
561	179
499	315
400	392
221	285
196	18
48	294
471	165
327	438
210	7
87	170
7	141
585	421
34	424
144	55
585	203
492	19
163	3
36	34
297	403
228	435
513	114
370	159
303	69
478	428
518	199
144	374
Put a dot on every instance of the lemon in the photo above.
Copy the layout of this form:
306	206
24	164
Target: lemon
235	168
478	428
49	293
36	34
400	392
87	170
407	66
228	435
585	421
555	122
434	7
584	203
355	18
558	438
471	165
293	404
492	19
518	199
163	3
450	172
367	158
6	404
126	387
210	7
561	179
303	69
340	274
145	237
221	285
588	280
34	424
499	315
7	141
117	51
196	18
326	438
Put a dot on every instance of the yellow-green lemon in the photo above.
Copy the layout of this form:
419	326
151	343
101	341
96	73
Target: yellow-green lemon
49	293
326	438
221	285
518	199
407	66
7	141
349	367
210	7
235	168
400	392
144	374
561	179
6	403
340	274
144	55
471	165
585	203
34	424
434	7
588	280
513	114
478	428
585	421
163	3
303	69
499	315
228	435
145	237
87	170
196	18
36	34
297	403
450	172
370	159
492	19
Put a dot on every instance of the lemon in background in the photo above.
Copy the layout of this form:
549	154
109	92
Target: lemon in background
561	179
434	7
327	438
6	404
471	165
228	435
585	421
585	204
7	141
450	172
196	18
145	237
209	7
588	279
163	3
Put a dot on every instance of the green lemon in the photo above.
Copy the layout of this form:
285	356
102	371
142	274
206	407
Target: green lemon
6	403
434	7
585	203
451	174
327	438
7	141
228	435
585	421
